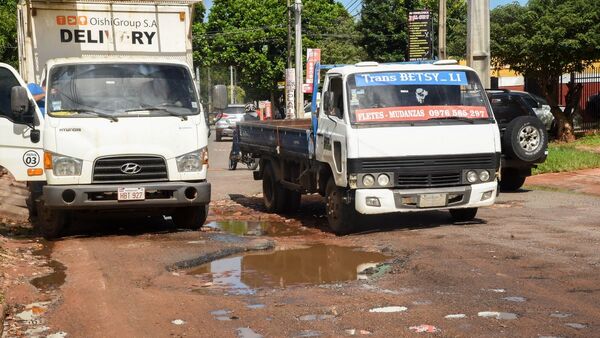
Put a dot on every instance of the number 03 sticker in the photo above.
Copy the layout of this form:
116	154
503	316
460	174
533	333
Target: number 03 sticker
31	159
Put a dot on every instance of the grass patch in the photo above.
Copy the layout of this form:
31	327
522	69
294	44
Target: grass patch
564	157
591	140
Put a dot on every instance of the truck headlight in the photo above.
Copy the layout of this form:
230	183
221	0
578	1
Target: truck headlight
62	165
192	162
368	180
484	176
383	180
472	176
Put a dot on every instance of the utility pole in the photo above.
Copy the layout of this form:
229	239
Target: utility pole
289	37
299	77
478	39
442	34
232	85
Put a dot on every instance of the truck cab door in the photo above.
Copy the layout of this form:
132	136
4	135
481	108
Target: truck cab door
331	132
21	147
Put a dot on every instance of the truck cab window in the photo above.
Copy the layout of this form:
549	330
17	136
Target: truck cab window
7	81
336	91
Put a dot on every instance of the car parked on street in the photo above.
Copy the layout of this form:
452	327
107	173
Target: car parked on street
539	105
227	120
523	135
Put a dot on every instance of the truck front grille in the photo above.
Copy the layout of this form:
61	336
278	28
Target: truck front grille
408	181
130	169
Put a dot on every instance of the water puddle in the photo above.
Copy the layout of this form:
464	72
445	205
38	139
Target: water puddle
55	279
316	264
253	228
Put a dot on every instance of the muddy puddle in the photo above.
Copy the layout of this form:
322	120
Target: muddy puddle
313	265
57	277
253	228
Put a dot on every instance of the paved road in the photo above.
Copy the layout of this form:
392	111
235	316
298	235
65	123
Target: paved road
237	181
531	262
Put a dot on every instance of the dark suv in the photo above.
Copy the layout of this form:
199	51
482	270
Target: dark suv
524	137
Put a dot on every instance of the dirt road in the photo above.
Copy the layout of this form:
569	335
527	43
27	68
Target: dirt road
528	267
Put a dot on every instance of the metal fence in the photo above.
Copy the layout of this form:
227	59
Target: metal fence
587	117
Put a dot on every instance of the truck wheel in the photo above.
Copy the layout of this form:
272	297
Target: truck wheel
525	139
340	216
293	199
463	215
49	223
511	181
190	217
273	193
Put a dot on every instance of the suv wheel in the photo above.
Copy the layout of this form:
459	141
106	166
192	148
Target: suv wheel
525	139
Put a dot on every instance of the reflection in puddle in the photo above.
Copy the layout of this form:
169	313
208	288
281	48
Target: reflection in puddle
318	264
252	228
57	277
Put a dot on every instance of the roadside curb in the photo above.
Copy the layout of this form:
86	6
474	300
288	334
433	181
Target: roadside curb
585	181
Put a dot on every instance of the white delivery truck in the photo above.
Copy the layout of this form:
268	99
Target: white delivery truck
123	129
386	138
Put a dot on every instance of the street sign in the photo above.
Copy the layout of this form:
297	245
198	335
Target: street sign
420	36
312	57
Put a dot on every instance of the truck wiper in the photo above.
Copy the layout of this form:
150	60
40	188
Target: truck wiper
170	112
458	118
92	112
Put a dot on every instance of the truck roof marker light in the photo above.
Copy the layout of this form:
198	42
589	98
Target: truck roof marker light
367	64
35	172
47	160
445	62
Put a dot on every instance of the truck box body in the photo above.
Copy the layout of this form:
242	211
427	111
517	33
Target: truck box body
95	28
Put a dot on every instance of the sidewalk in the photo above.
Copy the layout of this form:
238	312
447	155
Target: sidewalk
582	181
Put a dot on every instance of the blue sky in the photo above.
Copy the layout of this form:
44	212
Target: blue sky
493	3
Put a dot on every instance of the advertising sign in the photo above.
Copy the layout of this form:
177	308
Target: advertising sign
420	36
312	57
419	113
290	91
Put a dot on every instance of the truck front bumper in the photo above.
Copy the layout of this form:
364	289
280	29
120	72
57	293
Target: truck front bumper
383	201
104	196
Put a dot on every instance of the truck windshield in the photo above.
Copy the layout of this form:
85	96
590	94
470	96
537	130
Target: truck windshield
411	96
101	90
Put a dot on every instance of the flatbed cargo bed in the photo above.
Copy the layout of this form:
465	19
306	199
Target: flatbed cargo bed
290	138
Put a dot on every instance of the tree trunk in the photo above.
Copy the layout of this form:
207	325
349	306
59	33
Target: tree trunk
564	123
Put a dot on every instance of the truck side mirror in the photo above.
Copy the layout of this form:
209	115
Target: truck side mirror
19	100
219	97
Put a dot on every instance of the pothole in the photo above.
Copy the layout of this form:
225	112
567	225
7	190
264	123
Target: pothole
312	265
254	228
57	277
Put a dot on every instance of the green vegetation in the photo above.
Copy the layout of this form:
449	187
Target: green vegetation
570	156
545	39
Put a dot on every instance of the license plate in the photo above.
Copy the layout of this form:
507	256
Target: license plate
131	194
432	200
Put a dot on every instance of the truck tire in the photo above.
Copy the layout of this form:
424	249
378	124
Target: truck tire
342	217
463	215
190	217
274	195
49	223
292	201
511	181
525	139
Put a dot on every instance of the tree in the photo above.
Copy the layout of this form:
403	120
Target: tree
456	25
8	33
544	40
384	29
252	35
